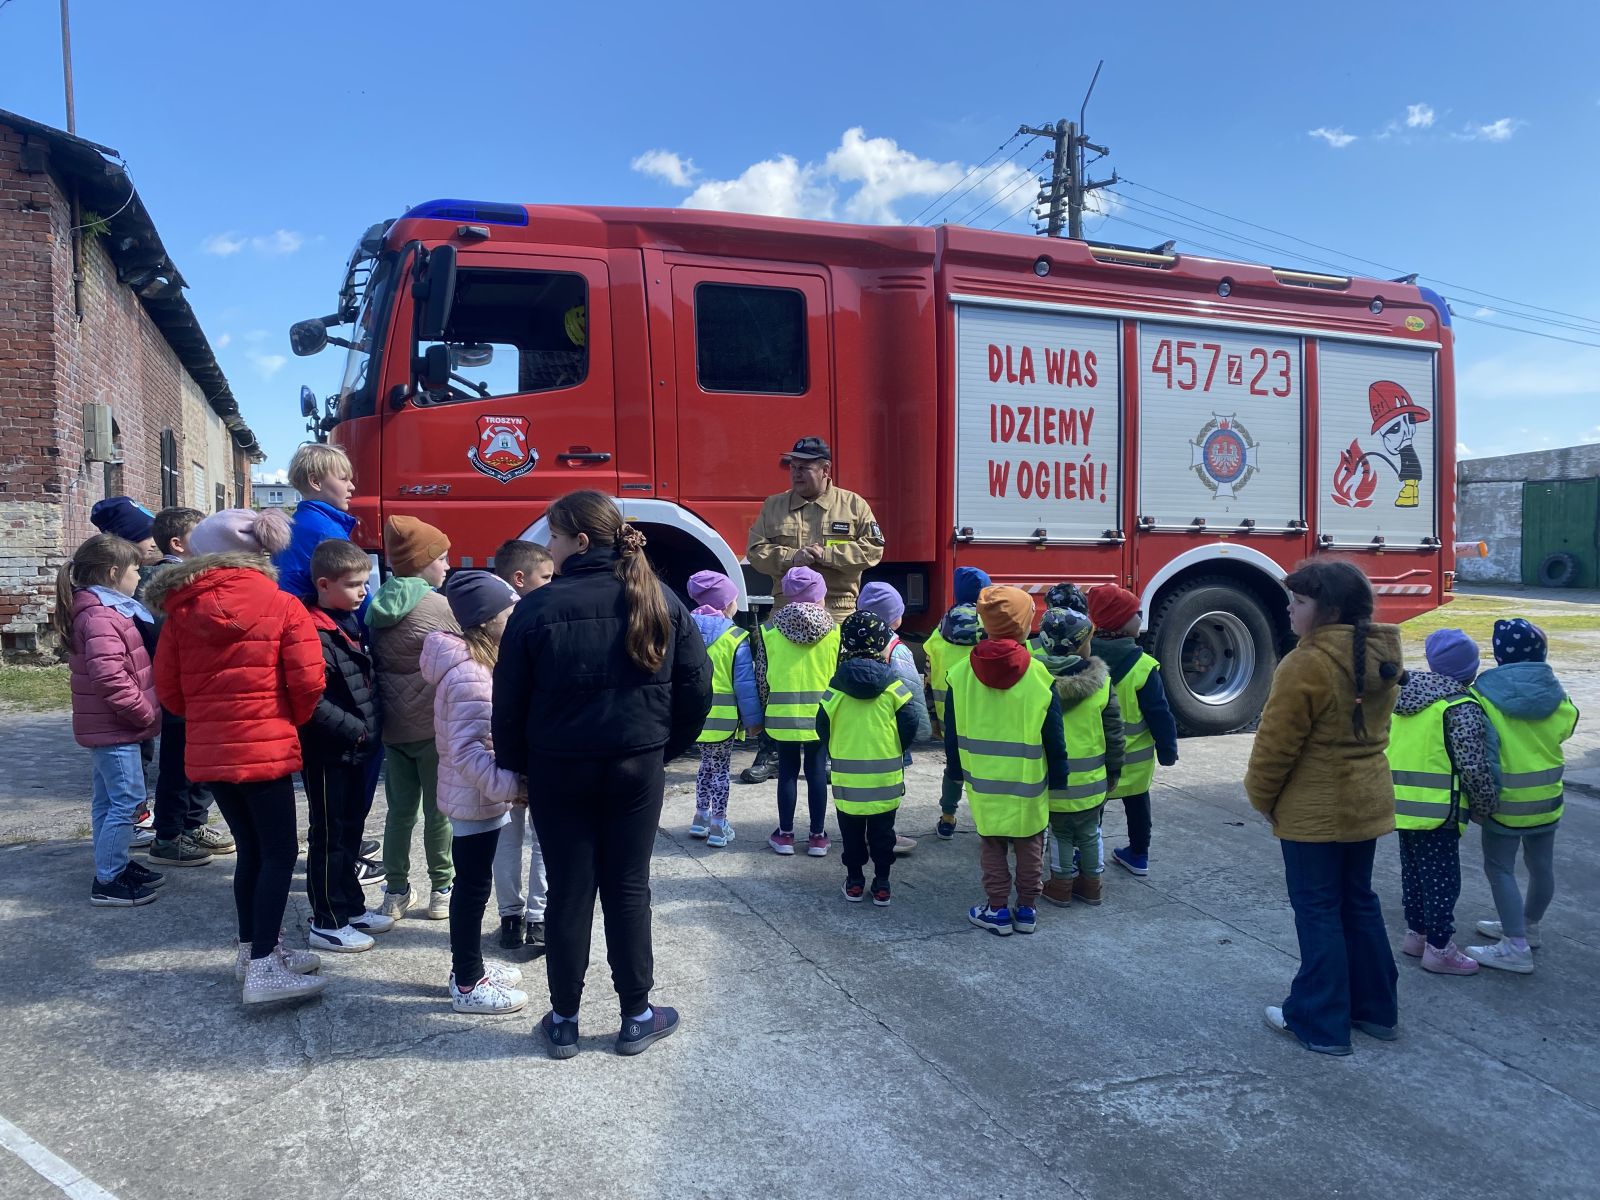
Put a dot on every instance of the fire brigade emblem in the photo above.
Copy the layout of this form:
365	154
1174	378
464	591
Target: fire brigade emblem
1223	455
503	452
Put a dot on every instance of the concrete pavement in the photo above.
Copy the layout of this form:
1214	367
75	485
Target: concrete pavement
826	1049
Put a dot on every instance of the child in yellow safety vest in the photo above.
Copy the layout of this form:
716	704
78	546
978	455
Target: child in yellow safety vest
867	722
1093	721
799	651
1149	731
1004	740
1532	716
1443	759
948	645
735	705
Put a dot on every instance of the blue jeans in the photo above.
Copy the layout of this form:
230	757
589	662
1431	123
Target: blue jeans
1347	970
118	789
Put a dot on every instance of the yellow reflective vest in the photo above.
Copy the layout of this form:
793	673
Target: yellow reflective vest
1426	787
864	746
797	679
1086	751
942	656
1139	744
1532	764
722	722
998	735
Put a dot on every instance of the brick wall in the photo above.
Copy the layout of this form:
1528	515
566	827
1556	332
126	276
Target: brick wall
51	365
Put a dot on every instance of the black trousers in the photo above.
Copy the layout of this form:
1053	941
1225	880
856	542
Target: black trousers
180	805
1430	881
597	822
863	837
337	798
261	818
473	856
1138	810
814	757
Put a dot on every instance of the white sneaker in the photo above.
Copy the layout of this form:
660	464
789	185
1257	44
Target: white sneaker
1503	956
439	905
343	940
1492	929
301	962
268	981
395	904
142	838
372	922
487	998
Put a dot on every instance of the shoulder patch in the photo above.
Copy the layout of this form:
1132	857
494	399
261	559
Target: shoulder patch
876	532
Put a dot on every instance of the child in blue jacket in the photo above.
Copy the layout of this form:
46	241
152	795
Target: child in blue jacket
733	672
323	475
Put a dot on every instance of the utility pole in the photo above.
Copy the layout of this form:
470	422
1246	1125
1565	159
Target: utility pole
66	66
1068	184
1055	194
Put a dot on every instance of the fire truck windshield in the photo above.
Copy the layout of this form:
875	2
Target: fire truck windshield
356	397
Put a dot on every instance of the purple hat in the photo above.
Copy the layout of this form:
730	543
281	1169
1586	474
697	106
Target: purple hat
882	600
802	585
713	589
1518	640
1451	652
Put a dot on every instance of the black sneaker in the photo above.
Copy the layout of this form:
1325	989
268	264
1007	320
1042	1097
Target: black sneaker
636	1036
369	873
880	892
535	937
765	765
121	892
369	848
511	933
179	852
560	1037
136	872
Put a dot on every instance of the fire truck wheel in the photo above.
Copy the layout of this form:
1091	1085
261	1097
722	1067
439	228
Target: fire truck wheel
1218	650
1558	570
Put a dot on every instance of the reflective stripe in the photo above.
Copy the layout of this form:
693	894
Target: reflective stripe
1001	749
869	795
791	722
1422	779
723	698
1136	728
1087	764
1078	791
867	766
1005	787
940	695
1548	804
721	724
1138	756
795	697
1520	779
1423	808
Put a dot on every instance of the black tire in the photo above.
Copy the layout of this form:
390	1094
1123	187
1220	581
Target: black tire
1237	615
1558	570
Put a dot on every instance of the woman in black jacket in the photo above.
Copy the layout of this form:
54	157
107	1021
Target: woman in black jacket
602	679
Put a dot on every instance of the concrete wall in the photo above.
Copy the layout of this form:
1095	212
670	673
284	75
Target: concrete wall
1489	504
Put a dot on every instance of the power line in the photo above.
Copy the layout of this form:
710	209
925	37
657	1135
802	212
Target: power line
914	220
1026	177
945	210
1554	337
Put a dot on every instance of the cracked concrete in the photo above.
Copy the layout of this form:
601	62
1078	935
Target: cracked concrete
827	1048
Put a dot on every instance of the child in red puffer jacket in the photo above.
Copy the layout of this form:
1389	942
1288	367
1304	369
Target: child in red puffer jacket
113	703
239	660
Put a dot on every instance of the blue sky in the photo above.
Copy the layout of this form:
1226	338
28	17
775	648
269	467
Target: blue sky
265	138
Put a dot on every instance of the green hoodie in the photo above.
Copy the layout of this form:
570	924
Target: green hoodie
395	599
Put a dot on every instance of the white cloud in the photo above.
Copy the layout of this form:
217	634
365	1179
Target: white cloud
1337	138
667	166
1463	450
1481	312
223	244
1494	131
863	179
1419	116
275	478
1590	435
222	341
268	364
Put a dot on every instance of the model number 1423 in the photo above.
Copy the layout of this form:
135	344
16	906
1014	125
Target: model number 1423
1192	366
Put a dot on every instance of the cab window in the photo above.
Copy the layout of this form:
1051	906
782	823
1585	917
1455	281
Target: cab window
514	332
750	339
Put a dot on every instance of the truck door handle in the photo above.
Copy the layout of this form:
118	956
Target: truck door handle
585	456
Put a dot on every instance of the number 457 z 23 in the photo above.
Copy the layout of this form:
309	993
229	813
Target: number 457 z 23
1191	366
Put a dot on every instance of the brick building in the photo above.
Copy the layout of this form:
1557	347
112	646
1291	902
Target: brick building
107	383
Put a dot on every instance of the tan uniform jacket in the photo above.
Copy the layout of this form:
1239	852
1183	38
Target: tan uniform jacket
839	521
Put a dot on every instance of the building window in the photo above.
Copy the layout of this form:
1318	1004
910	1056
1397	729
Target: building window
750	339
169	469
222	497
198	475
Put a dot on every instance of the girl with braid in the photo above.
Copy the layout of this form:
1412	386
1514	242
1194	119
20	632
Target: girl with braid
1320	775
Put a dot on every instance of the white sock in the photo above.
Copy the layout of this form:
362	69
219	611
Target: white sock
1520	943
644	1016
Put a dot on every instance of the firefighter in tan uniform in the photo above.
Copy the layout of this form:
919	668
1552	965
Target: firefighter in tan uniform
814	524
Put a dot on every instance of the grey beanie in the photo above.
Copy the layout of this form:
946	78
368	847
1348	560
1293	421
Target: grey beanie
478	597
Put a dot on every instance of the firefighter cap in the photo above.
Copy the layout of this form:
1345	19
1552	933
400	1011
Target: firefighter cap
1389	400
808	449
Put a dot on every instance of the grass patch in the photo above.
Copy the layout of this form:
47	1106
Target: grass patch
35	689
1475	616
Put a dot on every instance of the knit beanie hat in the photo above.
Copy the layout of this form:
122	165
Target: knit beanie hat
1111	607
1006	612
882	599
1518	640
124	517
802	585
960	626
1451	652
241	531
969	582
712	589
864	635
477	597
1067	595
410	544
1063	629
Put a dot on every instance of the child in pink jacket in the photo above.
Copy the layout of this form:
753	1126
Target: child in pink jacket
474	793
114	705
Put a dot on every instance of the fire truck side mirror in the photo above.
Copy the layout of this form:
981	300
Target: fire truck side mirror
308	402
435	373
435	291
308	337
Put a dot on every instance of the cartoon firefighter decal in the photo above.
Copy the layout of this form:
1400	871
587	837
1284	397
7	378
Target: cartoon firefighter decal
1395	417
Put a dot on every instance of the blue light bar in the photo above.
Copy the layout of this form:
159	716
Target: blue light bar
1438	302
478	211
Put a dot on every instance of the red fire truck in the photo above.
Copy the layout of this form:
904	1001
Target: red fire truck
1048	410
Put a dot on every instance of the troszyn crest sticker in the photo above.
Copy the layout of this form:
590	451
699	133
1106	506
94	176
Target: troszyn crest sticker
503	452
1223	455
